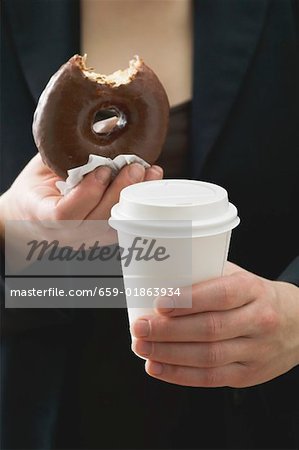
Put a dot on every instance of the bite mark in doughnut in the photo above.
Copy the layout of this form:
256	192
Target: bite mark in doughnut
63	124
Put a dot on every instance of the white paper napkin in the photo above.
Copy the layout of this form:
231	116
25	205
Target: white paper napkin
76	175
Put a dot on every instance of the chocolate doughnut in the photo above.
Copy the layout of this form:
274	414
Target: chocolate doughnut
67	109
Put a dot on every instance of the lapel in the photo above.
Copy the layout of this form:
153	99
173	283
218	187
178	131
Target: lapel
54	37
226	35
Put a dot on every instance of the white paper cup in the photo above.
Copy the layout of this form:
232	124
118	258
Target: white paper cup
190	220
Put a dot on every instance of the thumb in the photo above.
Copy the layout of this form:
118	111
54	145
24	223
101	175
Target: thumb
80	201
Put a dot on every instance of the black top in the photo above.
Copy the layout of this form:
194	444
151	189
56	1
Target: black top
177	147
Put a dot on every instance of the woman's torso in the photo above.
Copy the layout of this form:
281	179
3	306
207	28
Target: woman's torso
159	31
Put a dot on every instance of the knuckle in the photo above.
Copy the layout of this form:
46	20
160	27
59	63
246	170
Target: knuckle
228	290
213	356
241	281
91	191
269	319
244	279
210	378
213	325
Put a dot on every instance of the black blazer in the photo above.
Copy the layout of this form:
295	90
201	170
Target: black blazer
66	386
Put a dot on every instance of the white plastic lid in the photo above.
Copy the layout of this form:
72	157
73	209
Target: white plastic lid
172	207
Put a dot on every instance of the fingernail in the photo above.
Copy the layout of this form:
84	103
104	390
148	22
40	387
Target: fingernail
103	174
136	172
143	348
165	304
154	368
141	328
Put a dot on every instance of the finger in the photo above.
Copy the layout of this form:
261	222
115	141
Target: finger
105	126
153	173
230	375
130	174
204	327
218	294
80	201
200	354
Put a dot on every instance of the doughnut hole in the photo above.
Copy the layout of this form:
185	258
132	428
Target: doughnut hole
107	120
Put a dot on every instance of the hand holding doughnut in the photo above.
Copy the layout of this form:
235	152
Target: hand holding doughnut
67	109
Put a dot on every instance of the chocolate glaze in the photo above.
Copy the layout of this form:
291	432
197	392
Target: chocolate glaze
64	117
